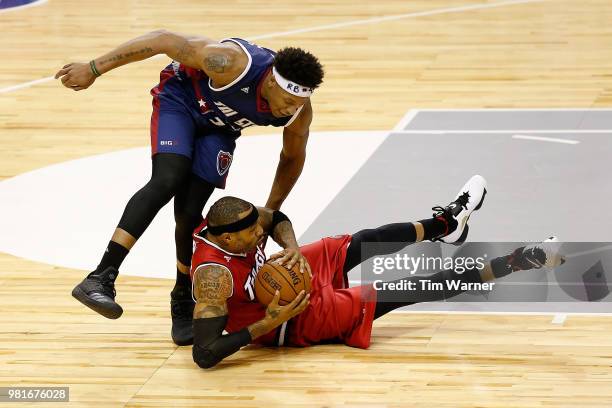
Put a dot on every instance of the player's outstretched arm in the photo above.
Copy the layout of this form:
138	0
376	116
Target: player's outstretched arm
222	62
292	157
212	287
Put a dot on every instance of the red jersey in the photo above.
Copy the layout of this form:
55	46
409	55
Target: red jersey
336	313
243	307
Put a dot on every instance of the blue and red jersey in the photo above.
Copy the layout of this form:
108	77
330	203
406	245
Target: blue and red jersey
229	108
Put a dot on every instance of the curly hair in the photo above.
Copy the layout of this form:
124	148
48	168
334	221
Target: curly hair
299	66
226	210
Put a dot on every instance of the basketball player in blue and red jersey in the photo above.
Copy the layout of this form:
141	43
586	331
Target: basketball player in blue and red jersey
229	253
206	96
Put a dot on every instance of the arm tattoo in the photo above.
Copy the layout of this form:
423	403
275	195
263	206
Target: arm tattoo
120	56
217	63
283	234
186	52
273	313
212	287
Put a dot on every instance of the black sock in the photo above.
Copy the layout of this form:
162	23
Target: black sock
502	266
390	238
183	280
113	256
434	227
182	287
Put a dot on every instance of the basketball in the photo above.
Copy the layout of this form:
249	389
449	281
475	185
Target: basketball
289	282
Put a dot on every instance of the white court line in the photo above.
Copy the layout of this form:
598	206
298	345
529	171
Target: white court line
546	139
405	121
529	284
33	4
25	85
588	252
398	17
501	132
518	110
343	24
482	312
559	318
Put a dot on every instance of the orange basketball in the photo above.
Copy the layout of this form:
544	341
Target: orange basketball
272	277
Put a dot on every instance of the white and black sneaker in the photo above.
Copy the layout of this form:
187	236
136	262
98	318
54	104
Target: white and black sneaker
97	292
536	256
457	213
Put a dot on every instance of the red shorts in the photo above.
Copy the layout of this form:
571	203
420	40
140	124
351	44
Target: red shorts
336	313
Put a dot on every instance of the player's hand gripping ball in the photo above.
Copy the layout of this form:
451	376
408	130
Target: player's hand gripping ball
289	282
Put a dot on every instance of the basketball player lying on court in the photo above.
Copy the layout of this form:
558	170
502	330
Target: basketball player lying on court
229	253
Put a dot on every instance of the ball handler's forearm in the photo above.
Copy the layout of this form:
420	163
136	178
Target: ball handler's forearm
261	327
284	235
210	345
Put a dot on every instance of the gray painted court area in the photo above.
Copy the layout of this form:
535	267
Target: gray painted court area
536	188
511	120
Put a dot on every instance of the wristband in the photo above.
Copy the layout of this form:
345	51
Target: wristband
277	218
95	71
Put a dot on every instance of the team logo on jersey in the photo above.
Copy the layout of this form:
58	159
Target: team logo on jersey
245	89
224	161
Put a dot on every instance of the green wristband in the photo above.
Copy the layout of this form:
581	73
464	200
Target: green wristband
95	71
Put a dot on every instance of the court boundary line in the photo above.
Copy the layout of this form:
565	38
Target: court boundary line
413	113
546	139
374	20
25	85
558	318
511	109
405	120
501	132
479	312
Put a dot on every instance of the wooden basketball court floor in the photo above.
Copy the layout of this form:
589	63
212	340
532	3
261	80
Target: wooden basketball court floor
382	58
